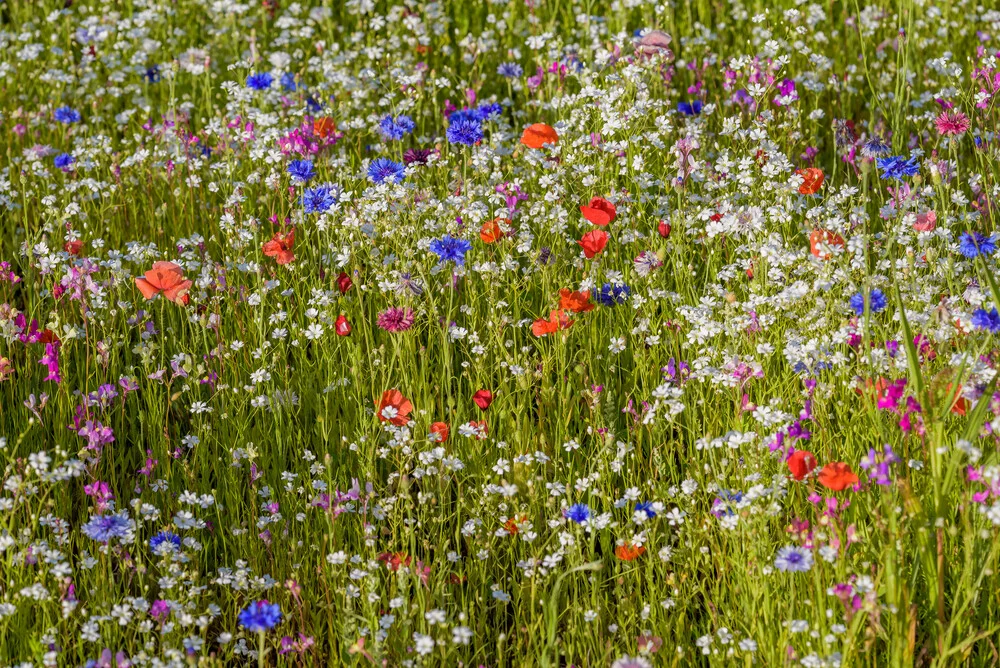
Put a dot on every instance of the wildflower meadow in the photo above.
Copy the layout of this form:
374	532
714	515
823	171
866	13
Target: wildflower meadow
503	333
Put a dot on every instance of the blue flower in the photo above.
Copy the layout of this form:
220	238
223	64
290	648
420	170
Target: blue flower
260	616
613	295
63	160
465	131
384	169
646	507
988	320
103	528
578	513
896	167
319	199
260	81
448	248
510	70
395	128
793	560
67	115
301	170
973	244
164	542
690	108
875	147
153	74
489	111
288	82
876	299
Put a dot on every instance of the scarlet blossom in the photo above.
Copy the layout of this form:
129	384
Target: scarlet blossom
483	399
820	241
394	408
511	525
557	320
280	247
394	560
593	242
663	229
344	282
577	302
341	326
439	432
812	179
837	476
324	127
73	247
925	222
491	232
599	212
166	278
801	464
629	552
538	135
960	406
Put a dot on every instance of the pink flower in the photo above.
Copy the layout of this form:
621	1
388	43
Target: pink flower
950	123
396	319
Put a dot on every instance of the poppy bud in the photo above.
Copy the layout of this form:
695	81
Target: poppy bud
664	229
342	327
344	282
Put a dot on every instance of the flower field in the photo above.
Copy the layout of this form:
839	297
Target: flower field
497	334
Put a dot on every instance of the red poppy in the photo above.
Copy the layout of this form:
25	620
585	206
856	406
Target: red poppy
538	135
960	406
801	464
483	399
557	320
324	127
599	212
593	242
439	432
344	282
491	232
73	247
812	179
511	525
629	552
925	222
577	302
664	229
165	277
280	247
341	326
821	240
394	408
837	476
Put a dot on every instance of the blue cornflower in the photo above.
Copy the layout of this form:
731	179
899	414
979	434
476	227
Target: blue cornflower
465	131
973	244
875	147
489	110
646	507
314	105
103	528
793	560
510	70
67	115
690	108
877	301
164	542
153	74
301	170
579	513
395	128
449	248
260	80
896	167
613	295
63	160
260	616
465	115
384	169
287	82
988	320
319	199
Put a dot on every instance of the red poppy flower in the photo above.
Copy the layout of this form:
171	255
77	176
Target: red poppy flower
491	232
73	247
820	238
664	229
960	406
577	302
599	212
483	399
324	127
341	326
394	408
439	432
394	560
538	135
837	476
280	247
557	320
812	179
593	242
344	282
629	552
801	464
165	277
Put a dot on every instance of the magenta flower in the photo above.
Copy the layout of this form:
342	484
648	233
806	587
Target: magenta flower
396	319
